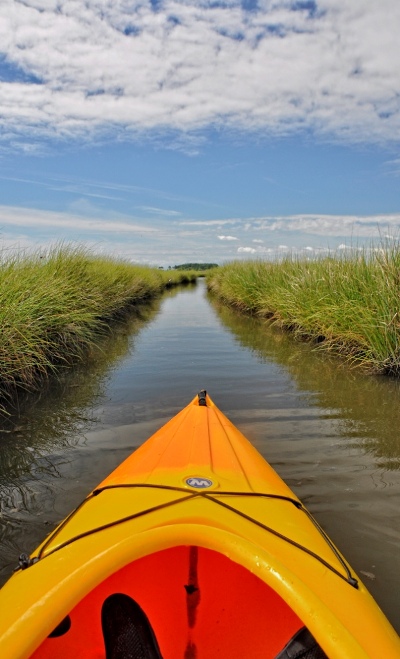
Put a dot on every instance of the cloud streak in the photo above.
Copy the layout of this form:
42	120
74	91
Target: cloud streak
112	68
368	226
256	229
171	240
67	222
363	226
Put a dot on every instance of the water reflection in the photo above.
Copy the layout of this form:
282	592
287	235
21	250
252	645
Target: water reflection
63	409
366	406
36	436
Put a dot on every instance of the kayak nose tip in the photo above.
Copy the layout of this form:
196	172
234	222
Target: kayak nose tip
202	398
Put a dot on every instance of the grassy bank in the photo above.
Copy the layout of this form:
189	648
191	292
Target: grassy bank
349	305
54	307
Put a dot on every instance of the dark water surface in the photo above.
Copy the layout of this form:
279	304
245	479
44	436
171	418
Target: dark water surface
332	435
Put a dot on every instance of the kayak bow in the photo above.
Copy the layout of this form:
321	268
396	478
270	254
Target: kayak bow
192	548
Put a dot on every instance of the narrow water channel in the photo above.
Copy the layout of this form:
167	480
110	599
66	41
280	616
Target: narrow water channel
332	435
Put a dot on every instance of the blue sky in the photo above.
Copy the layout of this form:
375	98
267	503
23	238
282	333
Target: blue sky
167	131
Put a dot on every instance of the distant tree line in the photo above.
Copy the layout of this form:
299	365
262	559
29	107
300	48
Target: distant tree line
195	266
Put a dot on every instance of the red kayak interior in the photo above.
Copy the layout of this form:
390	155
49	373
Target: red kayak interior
199	603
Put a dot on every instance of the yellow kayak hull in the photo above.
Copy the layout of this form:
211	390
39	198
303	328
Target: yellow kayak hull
203	534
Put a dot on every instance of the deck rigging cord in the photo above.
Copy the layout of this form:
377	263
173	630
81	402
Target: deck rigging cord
25	561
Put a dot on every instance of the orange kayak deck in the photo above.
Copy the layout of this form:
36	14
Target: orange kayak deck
199	442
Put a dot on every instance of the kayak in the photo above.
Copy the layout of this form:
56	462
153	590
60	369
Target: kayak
192	548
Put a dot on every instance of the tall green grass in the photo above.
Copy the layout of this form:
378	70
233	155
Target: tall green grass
54	307
348	305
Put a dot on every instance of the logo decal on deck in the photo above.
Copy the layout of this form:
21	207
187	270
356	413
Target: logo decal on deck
199	482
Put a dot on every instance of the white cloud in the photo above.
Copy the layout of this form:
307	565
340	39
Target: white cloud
107	66
325	225
362	226
159	211
53	221
208	223
170	241
85	217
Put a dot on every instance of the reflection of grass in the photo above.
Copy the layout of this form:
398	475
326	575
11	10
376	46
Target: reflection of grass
56	416
36	438
54	308
366	409
348	306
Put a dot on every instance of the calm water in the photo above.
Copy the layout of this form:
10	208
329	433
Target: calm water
334	436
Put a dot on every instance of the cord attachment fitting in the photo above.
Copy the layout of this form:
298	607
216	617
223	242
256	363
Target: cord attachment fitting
25	561
202	398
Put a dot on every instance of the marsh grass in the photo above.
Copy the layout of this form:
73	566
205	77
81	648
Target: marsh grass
348	305
53	308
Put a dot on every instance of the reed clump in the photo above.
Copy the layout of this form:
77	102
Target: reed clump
54	307
347	305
